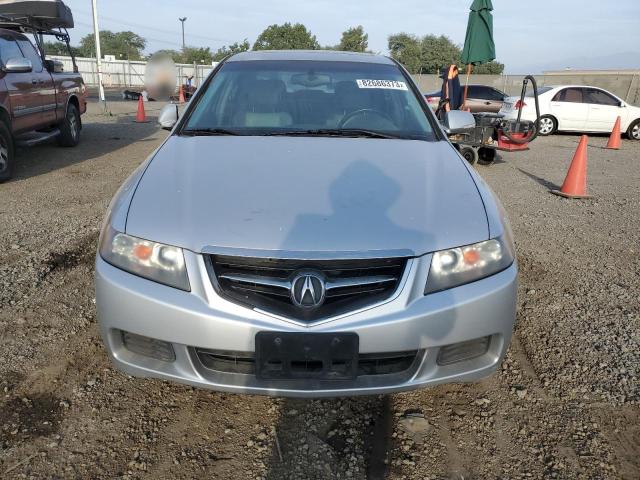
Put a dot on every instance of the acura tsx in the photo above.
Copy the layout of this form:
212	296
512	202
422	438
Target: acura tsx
306	229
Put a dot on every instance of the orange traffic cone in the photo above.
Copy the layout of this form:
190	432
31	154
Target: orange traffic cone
141	117
181	98
575	184
614	139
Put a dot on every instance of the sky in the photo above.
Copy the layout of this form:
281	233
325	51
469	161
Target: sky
530	36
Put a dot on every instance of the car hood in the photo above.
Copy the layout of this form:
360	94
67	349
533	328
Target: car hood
307	195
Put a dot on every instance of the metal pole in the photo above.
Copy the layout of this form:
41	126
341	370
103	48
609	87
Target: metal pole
633	77
182	20
96	33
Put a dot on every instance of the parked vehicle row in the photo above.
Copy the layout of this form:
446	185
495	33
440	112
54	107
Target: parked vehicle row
480	98
568	108
577	108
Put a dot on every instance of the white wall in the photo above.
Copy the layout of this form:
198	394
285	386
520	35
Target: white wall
123	73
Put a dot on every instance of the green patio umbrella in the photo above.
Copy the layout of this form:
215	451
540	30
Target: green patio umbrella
479	46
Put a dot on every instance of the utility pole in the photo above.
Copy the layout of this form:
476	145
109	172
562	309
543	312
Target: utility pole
96	33
182	20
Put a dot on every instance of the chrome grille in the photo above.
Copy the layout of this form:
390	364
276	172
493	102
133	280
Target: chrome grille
266	283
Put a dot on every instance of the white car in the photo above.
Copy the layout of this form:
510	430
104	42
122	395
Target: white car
576	108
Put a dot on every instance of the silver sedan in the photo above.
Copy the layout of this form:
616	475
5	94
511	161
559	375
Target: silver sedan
306	230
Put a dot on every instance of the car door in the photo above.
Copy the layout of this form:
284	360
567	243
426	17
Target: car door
475	98
493	100
22	91
481	98
604	109
45	89
569	107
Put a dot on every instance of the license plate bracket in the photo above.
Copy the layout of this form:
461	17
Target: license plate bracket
306	356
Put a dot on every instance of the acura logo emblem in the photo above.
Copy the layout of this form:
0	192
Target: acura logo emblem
308	290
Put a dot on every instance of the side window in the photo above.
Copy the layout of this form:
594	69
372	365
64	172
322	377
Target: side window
570	95
495	95
31	53
601	98
9	49
475	91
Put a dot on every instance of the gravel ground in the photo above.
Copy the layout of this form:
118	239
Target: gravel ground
565	403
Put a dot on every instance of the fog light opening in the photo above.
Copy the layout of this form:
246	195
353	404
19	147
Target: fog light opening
149	347
459	352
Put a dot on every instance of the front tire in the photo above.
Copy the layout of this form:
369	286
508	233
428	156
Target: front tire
634	130
70	128
470	154
548	125
7	153
487	155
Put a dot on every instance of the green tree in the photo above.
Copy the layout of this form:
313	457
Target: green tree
58	48
197	55
286	37
354	40
438	52
124	45
232	49
429	54
491	68
406	49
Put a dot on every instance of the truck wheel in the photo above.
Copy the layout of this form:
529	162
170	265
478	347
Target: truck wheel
6	153
70	128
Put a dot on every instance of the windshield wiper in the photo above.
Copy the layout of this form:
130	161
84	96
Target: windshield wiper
202	132
333	132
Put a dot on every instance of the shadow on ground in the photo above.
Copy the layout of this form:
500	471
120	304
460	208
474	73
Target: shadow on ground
331	439
545	183
100	136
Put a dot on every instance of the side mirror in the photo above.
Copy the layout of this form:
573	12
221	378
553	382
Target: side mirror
54	66
18	65
458	121
168	116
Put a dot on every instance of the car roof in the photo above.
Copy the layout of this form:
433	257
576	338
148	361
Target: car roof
8	33
575	86
318	55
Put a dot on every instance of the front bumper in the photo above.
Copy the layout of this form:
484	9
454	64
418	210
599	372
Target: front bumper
408	321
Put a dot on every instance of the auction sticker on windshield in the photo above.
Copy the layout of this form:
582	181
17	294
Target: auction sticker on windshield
387	84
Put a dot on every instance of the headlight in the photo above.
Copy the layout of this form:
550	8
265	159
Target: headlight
457	266
151	260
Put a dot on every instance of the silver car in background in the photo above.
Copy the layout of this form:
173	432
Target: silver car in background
306	230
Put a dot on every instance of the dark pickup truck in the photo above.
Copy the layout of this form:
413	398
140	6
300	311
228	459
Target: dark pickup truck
38	101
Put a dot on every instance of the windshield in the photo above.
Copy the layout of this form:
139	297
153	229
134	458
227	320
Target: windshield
297	97
541	90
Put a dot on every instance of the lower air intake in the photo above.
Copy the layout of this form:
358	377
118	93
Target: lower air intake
369	364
